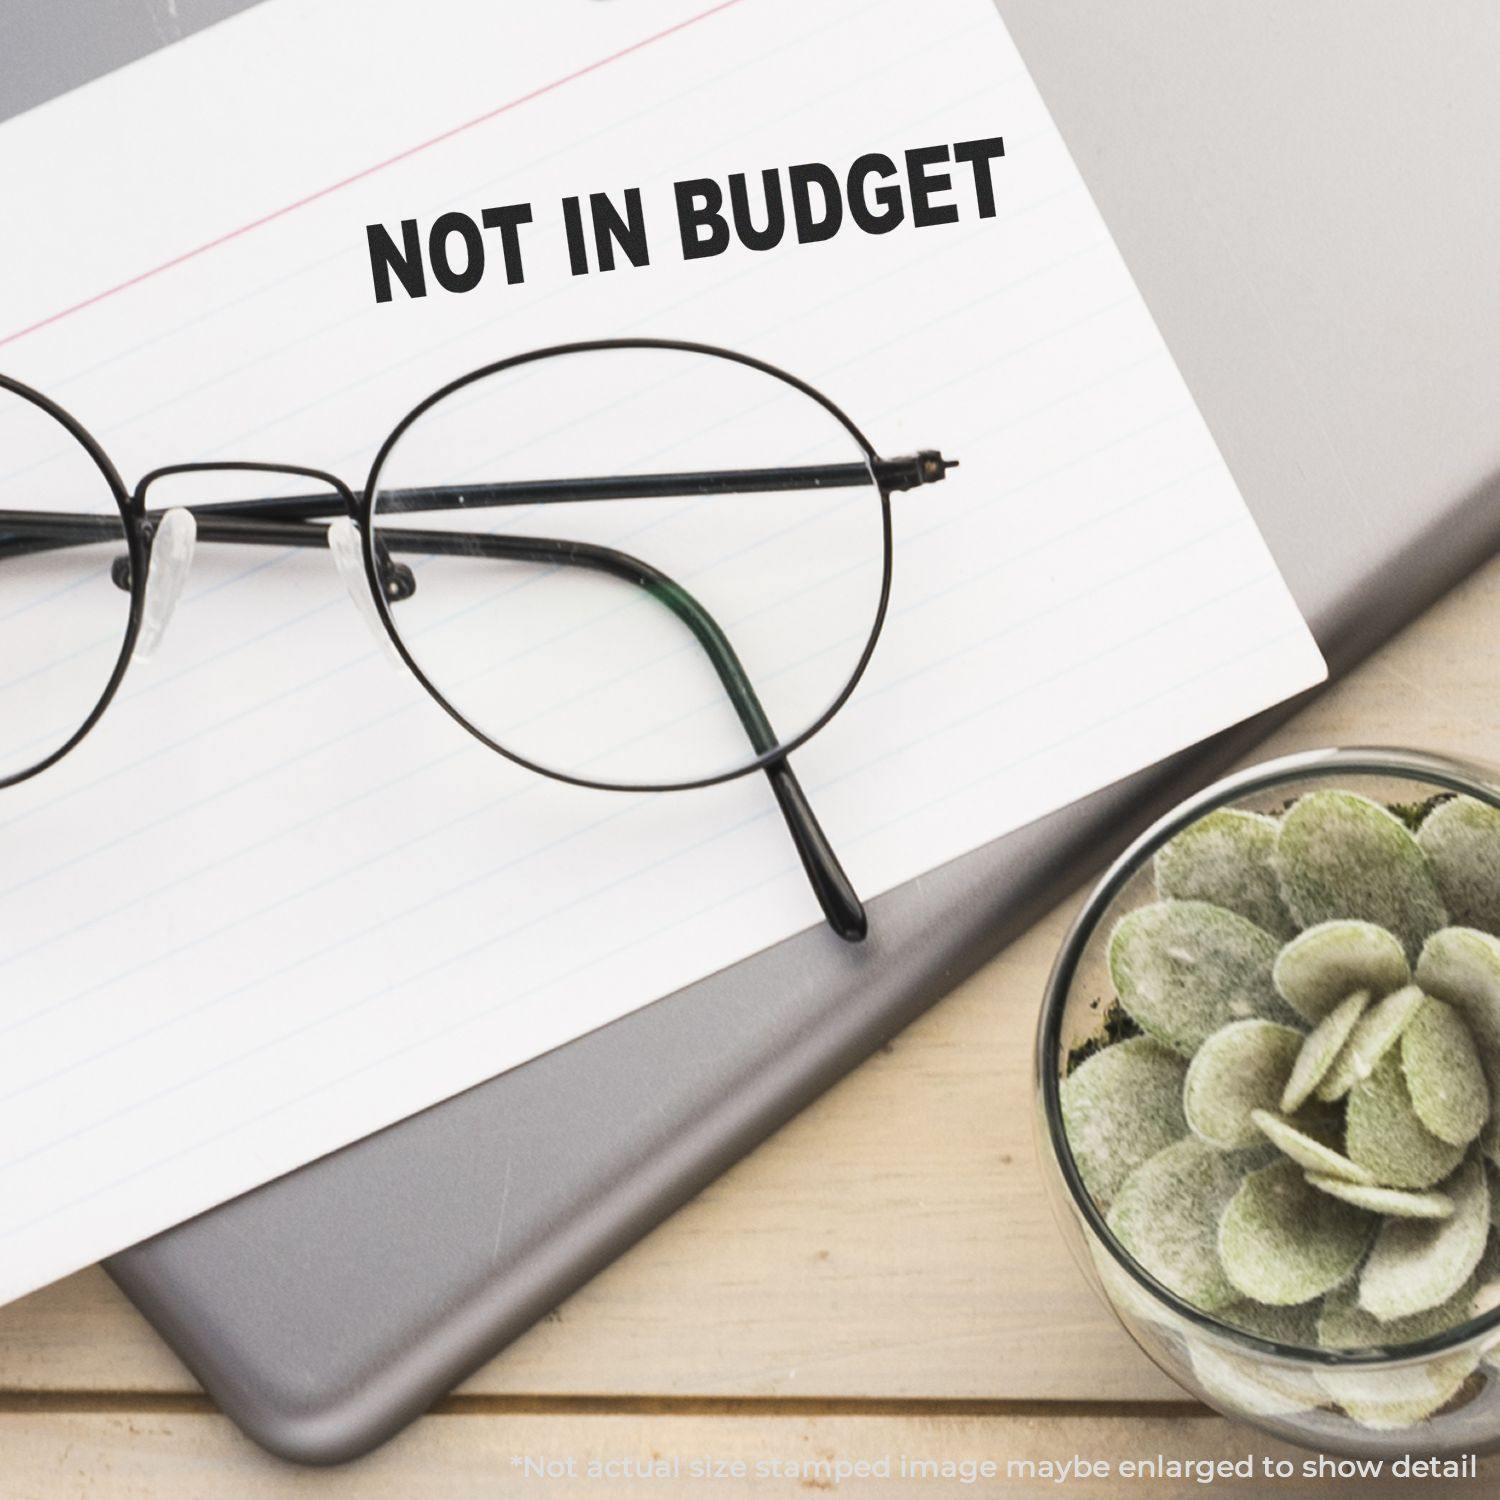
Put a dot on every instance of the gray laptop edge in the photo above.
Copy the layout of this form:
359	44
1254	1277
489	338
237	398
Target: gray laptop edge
1349	367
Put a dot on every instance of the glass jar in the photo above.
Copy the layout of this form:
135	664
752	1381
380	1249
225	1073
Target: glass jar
1438	1396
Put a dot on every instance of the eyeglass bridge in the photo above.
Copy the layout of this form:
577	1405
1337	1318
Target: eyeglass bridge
397	581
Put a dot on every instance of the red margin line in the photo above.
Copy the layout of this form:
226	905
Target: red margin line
379	166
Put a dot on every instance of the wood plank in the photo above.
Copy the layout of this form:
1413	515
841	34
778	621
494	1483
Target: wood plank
892	1241
155	1456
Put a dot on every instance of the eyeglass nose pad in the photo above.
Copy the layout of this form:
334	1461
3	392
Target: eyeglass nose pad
166	576
347	546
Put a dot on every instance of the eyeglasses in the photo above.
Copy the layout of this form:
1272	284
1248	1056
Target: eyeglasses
709	619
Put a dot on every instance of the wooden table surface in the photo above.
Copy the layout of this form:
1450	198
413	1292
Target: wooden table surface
883	1277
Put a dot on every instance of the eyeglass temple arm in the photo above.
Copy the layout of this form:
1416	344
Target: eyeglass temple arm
40	531
45	531
833	888
891	474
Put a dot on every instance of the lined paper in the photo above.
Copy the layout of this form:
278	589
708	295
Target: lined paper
277	899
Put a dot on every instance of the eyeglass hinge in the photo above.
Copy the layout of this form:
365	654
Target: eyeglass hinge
397	581
926	467
119	570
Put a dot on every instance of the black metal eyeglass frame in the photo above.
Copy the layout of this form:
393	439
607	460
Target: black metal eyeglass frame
293	521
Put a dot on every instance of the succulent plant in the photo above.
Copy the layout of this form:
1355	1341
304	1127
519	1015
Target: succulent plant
1292	1124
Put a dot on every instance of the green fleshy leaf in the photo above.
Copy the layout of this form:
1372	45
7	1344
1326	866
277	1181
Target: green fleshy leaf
1166	1216
1341	855
1281	1241
1296	1324
1183	969
1487	1279
1310	1153
1317	970
1245	1385
1127	1295
1318	1051
1462	966
1461	840
1395	1203
1443	1074
1391	1400
1241	1069
1419	1263
1120	1107
1384	1135
1251	1385
1375	1033
1344	1324
1225	859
